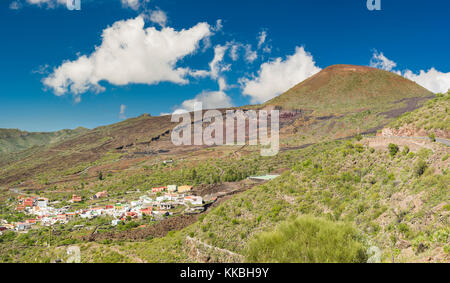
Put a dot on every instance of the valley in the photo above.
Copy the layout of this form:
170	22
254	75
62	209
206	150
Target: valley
363	155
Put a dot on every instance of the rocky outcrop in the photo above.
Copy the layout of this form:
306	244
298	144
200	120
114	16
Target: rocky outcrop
410	131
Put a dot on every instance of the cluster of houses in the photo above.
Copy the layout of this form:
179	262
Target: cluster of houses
156	205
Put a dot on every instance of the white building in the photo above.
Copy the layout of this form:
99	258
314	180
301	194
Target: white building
194	200
42	203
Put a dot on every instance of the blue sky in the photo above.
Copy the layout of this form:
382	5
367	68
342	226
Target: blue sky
170	66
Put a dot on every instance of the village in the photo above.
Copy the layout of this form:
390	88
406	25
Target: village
156	204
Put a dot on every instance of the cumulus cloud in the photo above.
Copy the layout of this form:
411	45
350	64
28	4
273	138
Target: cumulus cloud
209	100
130	53
381	62
159	17
216	64
133	4
123	108
277	76
433	80
212	99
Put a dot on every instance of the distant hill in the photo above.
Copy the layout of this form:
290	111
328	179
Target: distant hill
343	88
14	140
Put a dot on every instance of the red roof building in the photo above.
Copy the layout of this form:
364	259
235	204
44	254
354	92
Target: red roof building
28	202
147	211
158	190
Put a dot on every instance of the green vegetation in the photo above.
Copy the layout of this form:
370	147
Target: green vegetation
308	239
393	149
433	116
13	140
332	201
344	88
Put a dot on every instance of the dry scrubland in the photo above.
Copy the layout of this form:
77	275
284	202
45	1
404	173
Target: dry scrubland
375	198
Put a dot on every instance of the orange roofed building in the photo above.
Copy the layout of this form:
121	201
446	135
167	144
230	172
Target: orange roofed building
158	190
76	198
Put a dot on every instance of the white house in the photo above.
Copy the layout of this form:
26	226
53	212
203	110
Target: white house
194	200
42	203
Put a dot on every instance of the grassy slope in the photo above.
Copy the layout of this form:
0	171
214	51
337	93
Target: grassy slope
12	140
344	100
433	116
400	212
391	205
356	99
345	88
357	188
80	150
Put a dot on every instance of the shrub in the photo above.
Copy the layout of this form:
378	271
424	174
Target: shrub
432	137
308	239
420	167
393	149
405	150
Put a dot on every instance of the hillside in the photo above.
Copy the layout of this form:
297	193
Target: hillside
386	96
397	204
387	194
340	89
342	101
432	119
13	140
81	150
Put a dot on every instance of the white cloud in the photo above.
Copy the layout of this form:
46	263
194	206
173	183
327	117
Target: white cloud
212	99
133	4
209	100
250	55
15	5
159	17
267	49
262	38
433	80
47	3
277	76
130	53
216	64
219	25
41	70
381	62
234	52
123	108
